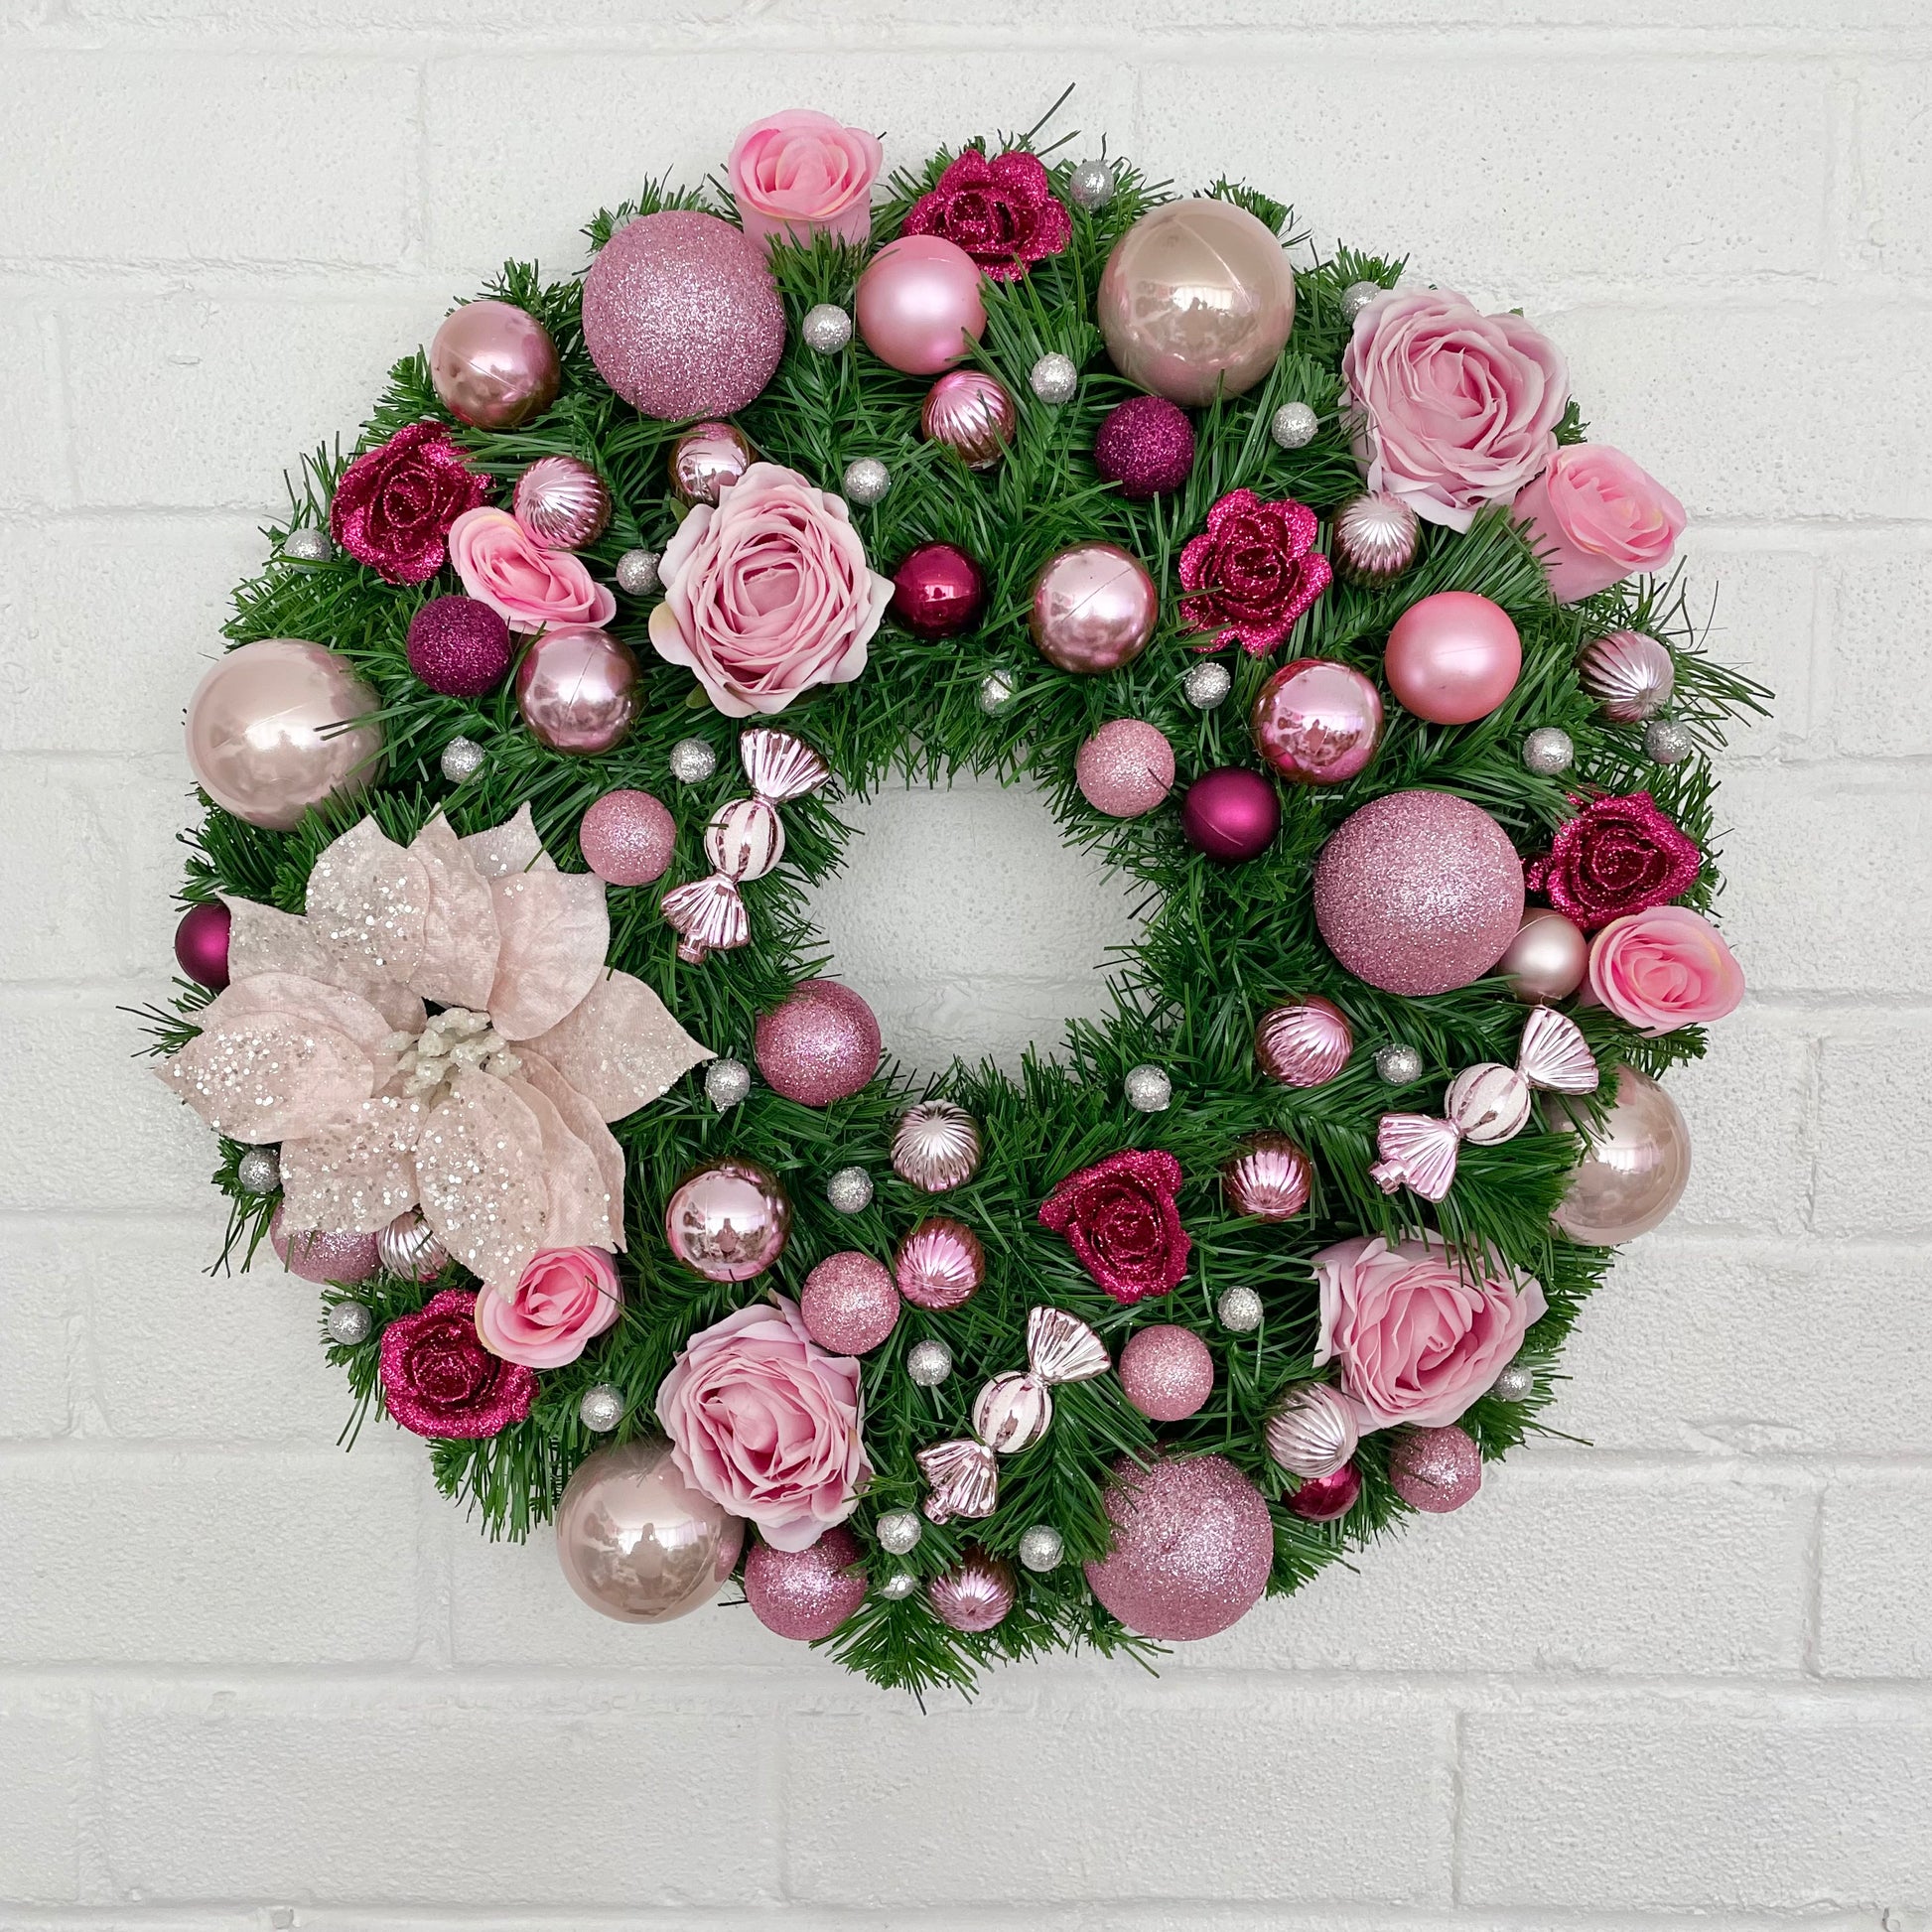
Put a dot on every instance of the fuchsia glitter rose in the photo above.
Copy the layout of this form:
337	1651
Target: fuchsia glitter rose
800	172
1002	211
395	504
1596	518
563	1301
1119	1219
1253	571
1663	969
437	1379
531	588
1617	855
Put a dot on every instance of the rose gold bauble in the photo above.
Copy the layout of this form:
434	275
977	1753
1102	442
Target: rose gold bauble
637	1541
493	365
1094	609
1634	1170
1303	1042
1197	296
1268	1180
729	1222
562	502
1630	676
1312	1430
708	459
936	1146
1435	1470
577	689
264	730
805	1594
939	1264
1316	722
975	1593
1548	957
972	415
1375	538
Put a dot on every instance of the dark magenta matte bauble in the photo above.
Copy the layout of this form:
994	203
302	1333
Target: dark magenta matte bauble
1230	814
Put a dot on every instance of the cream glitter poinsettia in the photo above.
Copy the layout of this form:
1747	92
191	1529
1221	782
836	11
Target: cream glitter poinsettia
490	1114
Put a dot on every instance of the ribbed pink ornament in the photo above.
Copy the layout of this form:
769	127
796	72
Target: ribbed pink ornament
939	1264
1630	676
972	415
1304	1044
975	1593
1554	1054
562	503
1488	1103
1268	1180
1375	538
936	1146
1313	1432
410	1247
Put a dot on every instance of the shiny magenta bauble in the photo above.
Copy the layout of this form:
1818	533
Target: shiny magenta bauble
1453	657
1435	1470
708	459
805	1594
848	1304
1548	957
1635	1167
821	1045
727	1221
562	503
917	302
493	365
201	944
1093	609
1125	769
1316	722
1231	815
972	415
626	838
937	590
344	1259
1325	1499
1166	1372
577	689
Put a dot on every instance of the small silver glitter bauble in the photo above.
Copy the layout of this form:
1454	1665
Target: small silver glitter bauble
349	1323
928	1364
900	1530
259	1171
826	327
1517	1382
308	546
867	479
1293	426
850	1190
996	692
462	758
1398	1065
1054	378
1665	742
1092	185
898	1585
1041	1549
692	760
1207	685
1356	297
1239	1310
1548	751
602	1407
638	573
726	1083
1148	1089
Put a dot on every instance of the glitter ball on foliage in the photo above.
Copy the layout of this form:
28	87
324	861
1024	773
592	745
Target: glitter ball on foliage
1398	1065
626	838
1206	685
1548	751
996	691
348	1323
822	1044
1435	1470
826	329
1666	743
1042	1549
900	1530
848	1304
1091	185
458	647
1147	446
898	1585
462	758
1148	1089
1166	1372
1126	768
805	1594
928	1364
320	1256
259	1171
1240	1310
692	760
1356	297
1293	426
1053	380
638	573
726	1083
866	480
849	1190
1517	1382
308	546
602	1407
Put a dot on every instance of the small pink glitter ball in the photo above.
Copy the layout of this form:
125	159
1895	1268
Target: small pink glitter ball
344	1259
975	1593
1146	445
460	647
848	1302
1166	1372
1125	769
626	837
1435	1470
821	1045
805	1594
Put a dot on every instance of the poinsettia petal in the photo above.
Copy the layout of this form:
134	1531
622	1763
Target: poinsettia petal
578	1209
512	846
358	1176
270	1076
459	963
620	1047
262	939
480	1167
369	898
587	1123
553	932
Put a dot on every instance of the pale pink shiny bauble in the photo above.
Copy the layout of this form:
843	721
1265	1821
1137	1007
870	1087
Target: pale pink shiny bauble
1166	1372
972	415
493	365
1197	296
681	316
936	1146
1125	769
975	1593
939	1265
1093	609
637	1541
917	300
821	1045
708	459
1324	1499
1269	1179
1435	1470
727	1221
805	1594
563	502
577	689
1192	1547
627	838
1453	657
1316	722
1231	815
848	1304
341	1258
1418	892
1635	1170
1313	1432
1548	957
265	737
1303	1042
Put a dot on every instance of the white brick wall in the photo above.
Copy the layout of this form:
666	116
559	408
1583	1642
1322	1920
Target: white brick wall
1673	1672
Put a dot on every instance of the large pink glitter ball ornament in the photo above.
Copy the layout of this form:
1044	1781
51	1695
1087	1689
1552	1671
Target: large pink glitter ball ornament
936	1146
975	1594
1147	446
1326	1499
1192	1547
972	415
1634	1168
821	1045
459	647
344	1259
939	1265
1313	1432
271	730
1452	658
1125	769
848	1302
1231	815
937	590
1093	609
493	365
729	1222
562	502
1303	1042
201	944
1269	1179
805	1594
1316	722
1548	957
708	459
627	838
577	690
1435	1470
1166	1372
1630	675
1419	893
917	303
681	316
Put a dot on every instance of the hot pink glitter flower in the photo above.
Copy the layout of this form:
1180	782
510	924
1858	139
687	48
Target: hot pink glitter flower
1119	1219
1617	855
1001	211
437	1379
394	504
1252	572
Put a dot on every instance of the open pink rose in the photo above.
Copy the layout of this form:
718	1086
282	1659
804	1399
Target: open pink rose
531	588
1663	969
563	1299
800	173
769	594
766	1423
1420	1329
1598	518
1455	409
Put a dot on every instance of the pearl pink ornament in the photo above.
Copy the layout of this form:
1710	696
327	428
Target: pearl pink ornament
1547	959
727	1221
1166	1372
265	731
1326	1499
939	1264
936	1146
821	1045
1316	722
917	302
1630	676
708	459
1269	1179
201	944
627	838
1303	1044
577	689
1231	815
848	1304
1125	769
459	647
1452	658
563	502
1435	1470
1313	1432
1418	892
975	1594
1375	538
1634	1170
937	590
1093	609
805	1594
493	365
344	1259
972	415
1147	446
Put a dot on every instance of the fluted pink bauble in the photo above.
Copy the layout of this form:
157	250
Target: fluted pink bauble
493	365
821	1045
848	1304
1166	1372
1313	1432
939	1265
1635	1169
805	1594
1630	675
344	1259
1316	722
627	838
1269	1179
1435	1470
1303	1042
201	944
265	733
917	302
459	647
577	689
1453	657
975	1593
1125	769
1192	1547
562	502
1418	892
1231	815
729	1222
936	1146
937	590
1548	957
681	316
972	415
1324	1499
708	459
1093	609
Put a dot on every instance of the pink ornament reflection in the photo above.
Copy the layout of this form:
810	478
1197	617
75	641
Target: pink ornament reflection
1094	608
1452	658
917	302
729	1222
1635	1170
493	365
1316	722
577	689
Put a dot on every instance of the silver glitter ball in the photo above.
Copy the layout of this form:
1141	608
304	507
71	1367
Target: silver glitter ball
1293	426
898	1585
996	692
1356	297
692	760
1054	378
1148	1089
1665	742
462	758
308	546
900	1530
726	1083
826	327
1398	1065
928	1364
1041	1549
1517	1382
638	573
259	1171
1207	685
867	479
1093	183
1239	1310
1548	751
850	1190
349	1323
602	1407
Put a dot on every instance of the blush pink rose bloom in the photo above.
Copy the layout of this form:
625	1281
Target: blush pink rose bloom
800	173
563	1301
766	1423
1420	1329
1664	969
531	588
1455	409
769	594
1598	518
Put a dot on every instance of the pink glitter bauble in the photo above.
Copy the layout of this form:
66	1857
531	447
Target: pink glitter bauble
821	1045
917	303
1419	893
577	689
848	1304
1322	1499
1125	769
1316	722
459	647
626	838
805	1594
939	1264
1192	1547
1303	1044
493	365
1435	1470
681	316
1452	658
1166	1372
562	502
1146	445
344	1259
727	1221
972	415
975	1593
1269	1179
201	944
937	590
1231	815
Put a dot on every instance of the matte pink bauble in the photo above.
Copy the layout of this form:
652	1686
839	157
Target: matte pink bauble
201	944
1231	815
917	302
1548	957
729	1220
1093	609
975	1594
681	316
708	459
805	1594
1325	1499
493	365
1125	769
459	647
1166	1372
972	415
344	1259
1419	893
577	689
1635	1169
1316	722
265	733
1146	445
1435	1470
562	503
939	1265
937	590
821	1045
848	1302
627	838
1453	657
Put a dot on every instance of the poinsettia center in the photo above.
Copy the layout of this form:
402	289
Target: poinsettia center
453	1038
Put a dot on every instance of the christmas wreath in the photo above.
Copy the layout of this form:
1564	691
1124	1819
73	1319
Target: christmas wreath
1303	595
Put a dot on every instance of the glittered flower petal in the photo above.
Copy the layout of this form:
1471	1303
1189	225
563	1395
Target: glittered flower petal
587	1124
301	997
270	1076
512	846
553	932
459	963
480	1166
358	1176
263	940
621	1048
368	898
577	1209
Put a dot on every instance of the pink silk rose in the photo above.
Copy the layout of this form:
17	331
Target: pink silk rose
769	594
1596	518
1663	969
531	588
765	1423
1420	1329
563	1301
1454	409
799	172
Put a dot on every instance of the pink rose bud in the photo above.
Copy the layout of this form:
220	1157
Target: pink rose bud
532	588
799	173
1596	518
1663	969
563	1301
